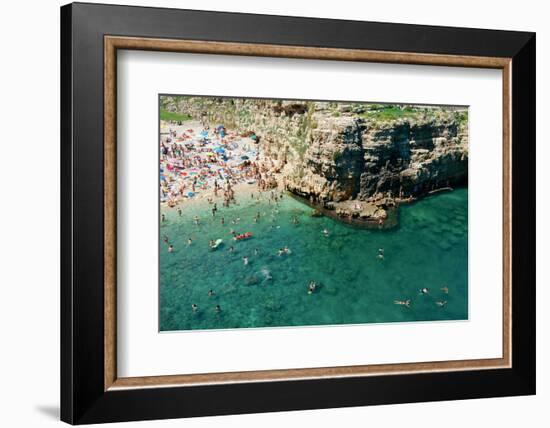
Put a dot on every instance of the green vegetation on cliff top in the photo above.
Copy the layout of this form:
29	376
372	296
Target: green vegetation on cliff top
170	115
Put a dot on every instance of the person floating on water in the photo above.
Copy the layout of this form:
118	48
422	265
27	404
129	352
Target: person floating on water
312	286
406	303
424	290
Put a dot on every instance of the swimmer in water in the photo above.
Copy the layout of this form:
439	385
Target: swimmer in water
326	232
179	212
165	239
280	252
196	220
245	260
189	241
441	303
445	289
223	221
218	309
162	217
170	248
424	290
286	250
194	307
256	251
211	292
406	303
231	249
311	287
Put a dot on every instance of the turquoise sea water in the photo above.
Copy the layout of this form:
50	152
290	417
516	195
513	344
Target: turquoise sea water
428	249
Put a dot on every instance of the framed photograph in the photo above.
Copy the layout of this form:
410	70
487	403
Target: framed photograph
266	213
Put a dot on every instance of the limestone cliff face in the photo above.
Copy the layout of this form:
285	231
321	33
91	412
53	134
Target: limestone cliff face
335	152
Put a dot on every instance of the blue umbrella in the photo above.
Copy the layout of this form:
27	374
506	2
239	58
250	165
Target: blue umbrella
219	150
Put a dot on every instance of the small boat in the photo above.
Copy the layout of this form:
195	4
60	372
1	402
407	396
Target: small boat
242	236
216	244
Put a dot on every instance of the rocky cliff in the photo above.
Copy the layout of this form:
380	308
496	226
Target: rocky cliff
334	152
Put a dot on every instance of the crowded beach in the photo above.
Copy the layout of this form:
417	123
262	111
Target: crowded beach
198	162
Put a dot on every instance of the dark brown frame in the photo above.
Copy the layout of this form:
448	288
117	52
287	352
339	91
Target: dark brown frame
91	35
114	43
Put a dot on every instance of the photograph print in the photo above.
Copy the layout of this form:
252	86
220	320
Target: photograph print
294	213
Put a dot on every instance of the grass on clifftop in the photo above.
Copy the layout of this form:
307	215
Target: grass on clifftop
170	115
391	112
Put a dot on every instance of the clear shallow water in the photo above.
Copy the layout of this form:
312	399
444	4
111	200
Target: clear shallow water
428	249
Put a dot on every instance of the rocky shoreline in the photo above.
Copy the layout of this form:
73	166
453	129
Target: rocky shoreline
356	162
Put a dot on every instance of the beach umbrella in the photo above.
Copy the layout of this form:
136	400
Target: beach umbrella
219	150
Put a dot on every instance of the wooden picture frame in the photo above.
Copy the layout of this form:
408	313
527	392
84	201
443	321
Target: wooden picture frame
91	390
